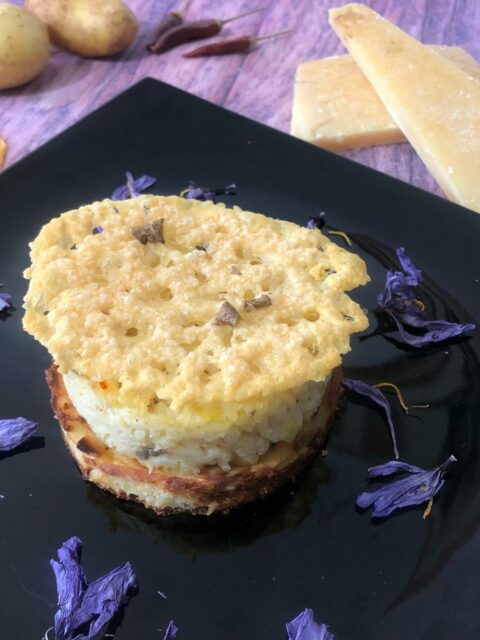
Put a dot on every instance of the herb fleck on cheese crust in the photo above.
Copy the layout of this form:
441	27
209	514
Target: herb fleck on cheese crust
140	318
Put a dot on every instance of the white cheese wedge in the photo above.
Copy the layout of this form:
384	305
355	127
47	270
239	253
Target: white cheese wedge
435	104
336	107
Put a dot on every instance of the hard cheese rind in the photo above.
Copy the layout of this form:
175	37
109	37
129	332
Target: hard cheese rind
435	104
336	107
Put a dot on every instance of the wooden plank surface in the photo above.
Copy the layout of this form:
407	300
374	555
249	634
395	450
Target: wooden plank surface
258	85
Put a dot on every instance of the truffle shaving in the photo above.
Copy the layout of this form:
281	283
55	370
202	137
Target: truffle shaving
257	303
227	314
151	232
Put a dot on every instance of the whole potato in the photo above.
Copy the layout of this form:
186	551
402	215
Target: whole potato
24	46
89	28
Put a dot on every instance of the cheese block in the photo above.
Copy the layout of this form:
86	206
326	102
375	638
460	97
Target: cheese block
336	107
3	152
435	104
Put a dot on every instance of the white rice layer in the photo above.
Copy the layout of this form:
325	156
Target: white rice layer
157	439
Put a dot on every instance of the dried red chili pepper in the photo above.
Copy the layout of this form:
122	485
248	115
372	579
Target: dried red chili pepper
243	44
170	21
193	31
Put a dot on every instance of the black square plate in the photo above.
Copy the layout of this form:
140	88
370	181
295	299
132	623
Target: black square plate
242	577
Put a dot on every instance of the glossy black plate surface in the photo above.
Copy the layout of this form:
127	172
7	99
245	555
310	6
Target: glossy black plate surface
242	577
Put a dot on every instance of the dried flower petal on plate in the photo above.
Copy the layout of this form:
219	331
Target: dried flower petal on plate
398	299
171	632
6	303
317	222
435	330
415	488
398	295
14	432
103	598
194	192
71	585
133	187
414	275
364	389
81	604
304	627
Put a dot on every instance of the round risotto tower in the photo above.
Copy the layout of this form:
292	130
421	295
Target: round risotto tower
196	348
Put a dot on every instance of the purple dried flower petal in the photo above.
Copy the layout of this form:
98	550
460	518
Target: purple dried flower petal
194	192
389	468
407	491
133	187
81	604
14	432
71	585
399	301
6	303
317	222
398	295
304	627
140	184
435	330
102	599
364	389
414	275
121	193
145	182
171	632
97	230
197	193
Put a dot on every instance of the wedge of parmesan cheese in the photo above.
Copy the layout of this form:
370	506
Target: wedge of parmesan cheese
336	107
435	104
3	152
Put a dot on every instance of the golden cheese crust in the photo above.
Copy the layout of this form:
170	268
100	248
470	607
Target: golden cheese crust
204	493
144	316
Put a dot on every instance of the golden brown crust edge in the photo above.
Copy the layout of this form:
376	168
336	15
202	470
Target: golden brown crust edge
207	492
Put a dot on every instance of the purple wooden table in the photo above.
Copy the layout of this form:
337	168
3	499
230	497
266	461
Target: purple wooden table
258	85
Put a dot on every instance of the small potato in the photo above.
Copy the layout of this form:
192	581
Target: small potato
89	28
24	46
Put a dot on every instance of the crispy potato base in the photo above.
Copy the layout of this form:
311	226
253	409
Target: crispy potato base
210	491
